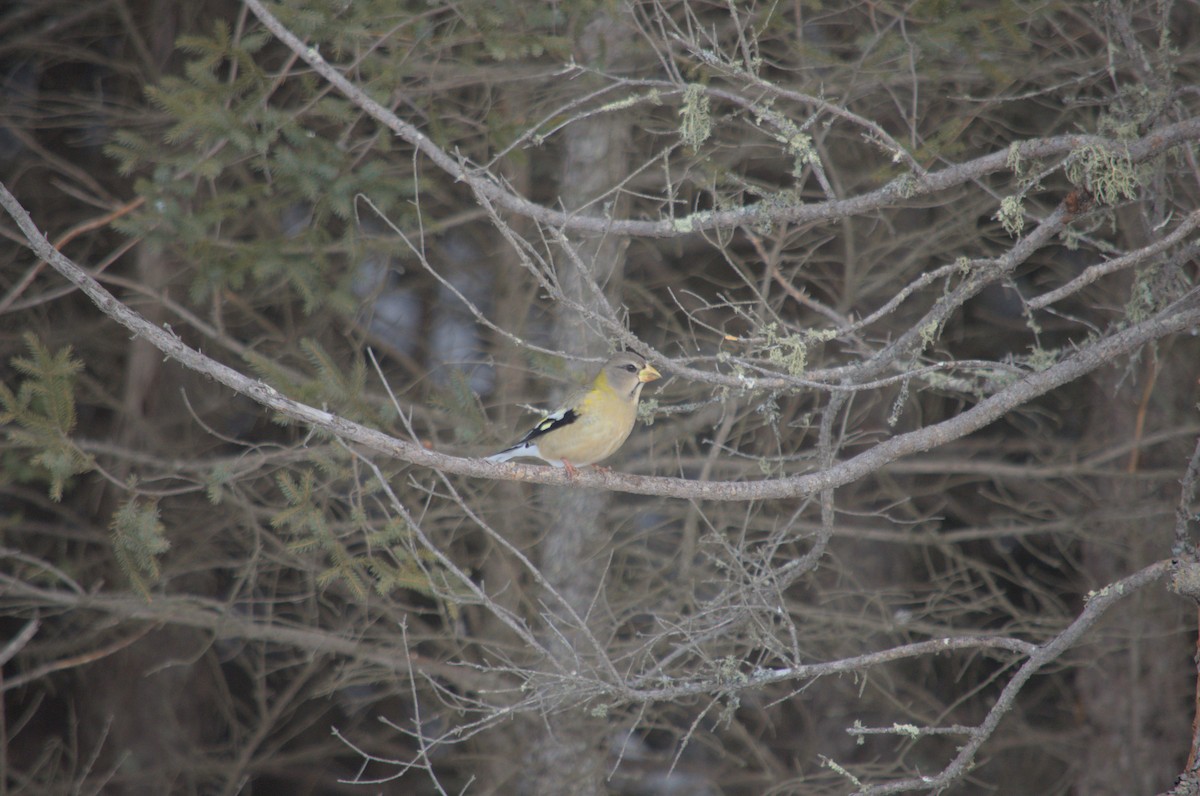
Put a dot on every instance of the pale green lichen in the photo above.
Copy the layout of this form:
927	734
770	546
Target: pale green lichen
1039	359
1070	238
691	223
929	333
857	730
626	102
647	408
1011	215
729	670
797	143
837	769
1154	288
789	352
1107	173
898	404
1112	588
695	125
1013	161
800	147
905	186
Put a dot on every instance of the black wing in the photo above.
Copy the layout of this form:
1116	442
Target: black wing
549	423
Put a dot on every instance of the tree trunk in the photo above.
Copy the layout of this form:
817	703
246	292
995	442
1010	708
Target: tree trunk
569	756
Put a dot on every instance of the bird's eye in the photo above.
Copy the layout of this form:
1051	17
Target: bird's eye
631	368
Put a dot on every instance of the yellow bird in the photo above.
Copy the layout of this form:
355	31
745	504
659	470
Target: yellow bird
593	422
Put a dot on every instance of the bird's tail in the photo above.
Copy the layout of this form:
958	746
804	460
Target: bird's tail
510	453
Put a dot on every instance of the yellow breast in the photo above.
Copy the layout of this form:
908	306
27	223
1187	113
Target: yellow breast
605	420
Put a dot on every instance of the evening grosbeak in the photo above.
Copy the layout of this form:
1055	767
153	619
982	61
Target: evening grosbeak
592	422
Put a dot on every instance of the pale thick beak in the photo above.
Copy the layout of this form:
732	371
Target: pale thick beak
648	373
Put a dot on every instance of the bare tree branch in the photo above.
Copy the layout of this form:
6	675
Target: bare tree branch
905	188
1179	317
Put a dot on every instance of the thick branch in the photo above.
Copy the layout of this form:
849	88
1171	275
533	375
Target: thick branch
1183	315
904	188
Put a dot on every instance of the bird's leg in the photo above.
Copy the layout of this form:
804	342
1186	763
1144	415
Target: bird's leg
572	472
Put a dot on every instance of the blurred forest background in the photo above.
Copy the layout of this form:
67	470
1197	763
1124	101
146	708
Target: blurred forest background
914	508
